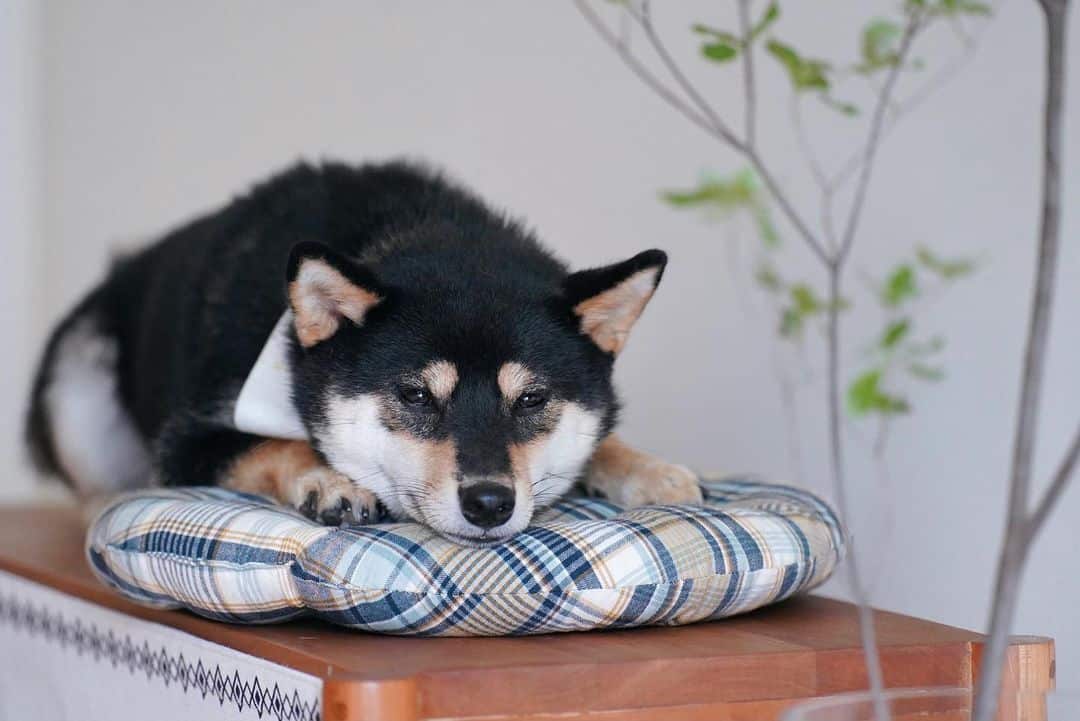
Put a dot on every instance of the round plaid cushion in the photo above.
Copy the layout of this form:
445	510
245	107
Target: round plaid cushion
583	564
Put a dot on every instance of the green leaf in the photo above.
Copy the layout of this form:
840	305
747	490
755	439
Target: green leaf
926	373
745	178
865	395
962	7
934	345
772	13
765	226
767	277
804	74
974	8
709	192
806	300
739	192
791	323
721	47
880	46
847	109
863	392
949	8
893	405
900	286
719	51
894	333
947	269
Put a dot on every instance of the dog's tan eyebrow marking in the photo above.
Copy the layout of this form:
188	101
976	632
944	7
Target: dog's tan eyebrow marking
441	378
514	378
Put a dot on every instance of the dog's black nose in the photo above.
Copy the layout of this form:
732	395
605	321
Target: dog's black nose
486	504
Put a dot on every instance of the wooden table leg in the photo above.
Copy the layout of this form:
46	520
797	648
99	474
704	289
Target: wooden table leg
359	700
1029	674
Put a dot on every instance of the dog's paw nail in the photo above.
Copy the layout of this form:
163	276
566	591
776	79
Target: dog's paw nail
309	504
333	515
331	499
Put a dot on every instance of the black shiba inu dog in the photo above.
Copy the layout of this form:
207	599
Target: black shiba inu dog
443	363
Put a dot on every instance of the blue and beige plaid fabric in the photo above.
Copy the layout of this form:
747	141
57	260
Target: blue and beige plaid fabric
583	564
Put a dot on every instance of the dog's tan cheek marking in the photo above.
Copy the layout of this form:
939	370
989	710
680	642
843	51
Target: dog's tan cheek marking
608	317
513	379
441	378
269	467
521	455
320	296
440	466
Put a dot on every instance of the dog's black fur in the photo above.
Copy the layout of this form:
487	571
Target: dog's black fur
190	314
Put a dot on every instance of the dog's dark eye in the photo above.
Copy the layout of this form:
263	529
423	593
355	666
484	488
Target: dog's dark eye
415	396
530	402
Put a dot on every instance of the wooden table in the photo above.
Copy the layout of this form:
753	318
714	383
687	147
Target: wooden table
747	668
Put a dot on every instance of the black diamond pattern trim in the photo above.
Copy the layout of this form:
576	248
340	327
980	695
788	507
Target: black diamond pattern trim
193	676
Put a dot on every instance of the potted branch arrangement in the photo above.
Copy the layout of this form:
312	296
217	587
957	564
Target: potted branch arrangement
887	51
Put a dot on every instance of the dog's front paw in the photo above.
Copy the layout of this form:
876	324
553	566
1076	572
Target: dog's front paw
654	482
327	496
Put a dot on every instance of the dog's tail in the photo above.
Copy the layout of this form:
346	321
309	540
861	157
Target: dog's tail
77	427
38	428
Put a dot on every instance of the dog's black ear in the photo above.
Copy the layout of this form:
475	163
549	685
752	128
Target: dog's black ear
326	289
608	300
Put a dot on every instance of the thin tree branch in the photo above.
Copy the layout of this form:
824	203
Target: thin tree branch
1054	5
1019	531
807	149
719	132
874	138
835	265
785	205
832	260
942	77
1006	595
1054	491
658	87
624	29
645	19
867	632
749	88
816	171
1038	333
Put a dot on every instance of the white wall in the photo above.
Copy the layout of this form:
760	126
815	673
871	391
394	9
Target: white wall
20	185
154	112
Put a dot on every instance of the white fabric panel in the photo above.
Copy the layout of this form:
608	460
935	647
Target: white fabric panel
62	658
264	406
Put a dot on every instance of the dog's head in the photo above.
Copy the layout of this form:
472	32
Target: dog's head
465	399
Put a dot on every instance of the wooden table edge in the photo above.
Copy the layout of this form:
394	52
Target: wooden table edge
349	695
